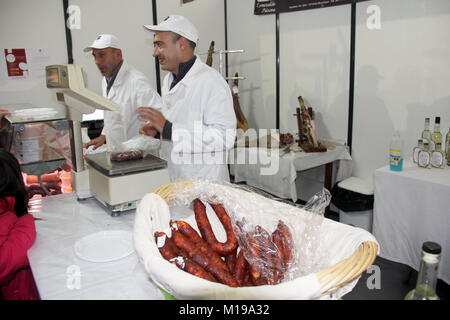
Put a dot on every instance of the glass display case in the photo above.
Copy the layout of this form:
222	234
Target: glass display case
38	137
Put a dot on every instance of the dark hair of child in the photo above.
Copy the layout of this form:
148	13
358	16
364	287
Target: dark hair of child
11	182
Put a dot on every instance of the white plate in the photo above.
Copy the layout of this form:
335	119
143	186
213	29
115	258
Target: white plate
105	246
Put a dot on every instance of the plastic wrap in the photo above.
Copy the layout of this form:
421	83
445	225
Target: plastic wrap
135	148
279	242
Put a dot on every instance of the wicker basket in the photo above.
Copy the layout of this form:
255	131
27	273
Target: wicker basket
331	278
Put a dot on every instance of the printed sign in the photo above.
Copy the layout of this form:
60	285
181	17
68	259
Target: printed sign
280	6
16	62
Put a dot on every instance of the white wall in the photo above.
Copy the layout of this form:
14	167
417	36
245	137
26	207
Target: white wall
256	35
402	75
125	22
208	18
314	63
31	25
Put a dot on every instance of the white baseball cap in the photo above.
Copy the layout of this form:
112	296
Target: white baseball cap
104	41
177	24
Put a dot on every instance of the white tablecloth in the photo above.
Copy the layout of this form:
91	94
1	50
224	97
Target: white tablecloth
411	207
276	174
55	265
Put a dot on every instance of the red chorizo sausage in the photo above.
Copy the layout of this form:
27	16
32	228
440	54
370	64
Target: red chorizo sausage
240	268
200	258
179	256
206	230
186	229
287	242
230	260
196	270
168	249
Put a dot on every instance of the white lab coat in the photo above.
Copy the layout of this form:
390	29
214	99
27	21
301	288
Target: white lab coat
130	90
200	108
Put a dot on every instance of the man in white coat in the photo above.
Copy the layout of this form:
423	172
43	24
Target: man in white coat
125	86
197	124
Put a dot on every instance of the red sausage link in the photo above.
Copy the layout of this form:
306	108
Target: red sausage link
206	230
286	238
186	229
230	260
200	258
168	249
241	268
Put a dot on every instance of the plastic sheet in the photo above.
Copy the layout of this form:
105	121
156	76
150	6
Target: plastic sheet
339	241
135	148
258	222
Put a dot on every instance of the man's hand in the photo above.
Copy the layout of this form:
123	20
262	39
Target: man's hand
4	112
155	117
148	130
97	142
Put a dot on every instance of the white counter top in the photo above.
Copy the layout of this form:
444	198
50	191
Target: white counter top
60	274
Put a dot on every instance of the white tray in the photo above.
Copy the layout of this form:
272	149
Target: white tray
105	246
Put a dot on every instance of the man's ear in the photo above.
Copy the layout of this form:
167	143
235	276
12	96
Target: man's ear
119	54
183	43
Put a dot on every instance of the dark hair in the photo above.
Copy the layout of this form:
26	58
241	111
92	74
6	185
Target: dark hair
176	36
11	182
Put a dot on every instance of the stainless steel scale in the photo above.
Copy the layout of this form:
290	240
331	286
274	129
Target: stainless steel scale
119	185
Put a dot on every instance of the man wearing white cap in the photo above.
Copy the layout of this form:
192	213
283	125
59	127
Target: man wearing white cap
197	123
124	85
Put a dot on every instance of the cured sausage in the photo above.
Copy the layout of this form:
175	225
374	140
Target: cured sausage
170	252
186	229
208	234
287	242
253	255
230	260
241	268
167	249
200	258
196	270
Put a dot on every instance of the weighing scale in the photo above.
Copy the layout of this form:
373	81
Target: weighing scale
117	185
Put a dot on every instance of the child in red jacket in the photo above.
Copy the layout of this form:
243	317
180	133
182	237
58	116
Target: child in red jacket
17	233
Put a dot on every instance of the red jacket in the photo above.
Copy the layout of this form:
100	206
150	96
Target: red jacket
16	237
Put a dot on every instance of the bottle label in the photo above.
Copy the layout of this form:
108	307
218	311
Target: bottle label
416	154
437	159
424	159
396	157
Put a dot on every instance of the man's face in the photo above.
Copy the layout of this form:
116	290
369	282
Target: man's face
167	50
107	60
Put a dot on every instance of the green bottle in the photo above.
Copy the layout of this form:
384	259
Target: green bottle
427	278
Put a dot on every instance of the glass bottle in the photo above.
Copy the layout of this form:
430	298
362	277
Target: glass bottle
427	278
416	150
396	156
426	134
447	146
438	157
424	158
436	136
